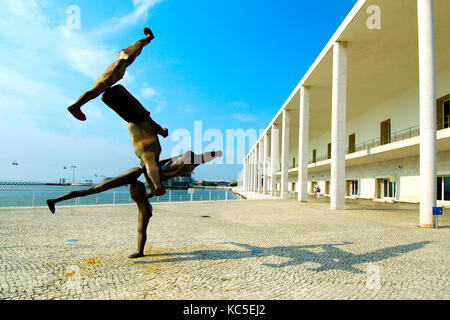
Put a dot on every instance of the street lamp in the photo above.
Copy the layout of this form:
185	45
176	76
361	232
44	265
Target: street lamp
73	174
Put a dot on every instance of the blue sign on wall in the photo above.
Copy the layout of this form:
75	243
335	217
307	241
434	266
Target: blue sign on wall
437	211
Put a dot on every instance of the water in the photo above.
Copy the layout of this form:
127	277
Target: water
29	196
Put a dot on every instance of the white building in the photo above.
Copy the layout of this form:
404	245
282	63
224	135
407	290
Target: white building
370	118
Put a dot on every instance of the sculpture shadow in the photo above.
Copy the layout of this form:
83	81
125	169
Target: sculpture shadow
330	257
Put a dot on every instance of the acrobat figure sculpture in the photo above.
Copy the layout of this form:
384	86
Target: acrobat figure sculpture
170	168
144	137
113	73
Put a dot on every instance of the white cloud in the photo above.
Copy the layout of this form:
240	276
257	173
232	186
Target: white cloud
189	110
149	92
243	117
238	104
141	8
160	105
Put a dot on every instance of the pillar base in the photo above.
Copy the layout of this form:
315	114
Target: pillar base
426	226
331	208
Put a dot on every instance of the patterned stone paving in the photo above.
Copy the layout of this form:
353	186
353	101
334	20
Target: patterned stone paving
268	249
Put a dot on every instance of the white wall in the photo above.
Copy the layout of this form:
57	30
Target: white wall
405	170
402	109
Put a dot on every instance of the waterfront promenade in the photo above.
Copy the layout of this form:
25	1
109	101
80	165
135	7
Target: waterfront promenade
260	249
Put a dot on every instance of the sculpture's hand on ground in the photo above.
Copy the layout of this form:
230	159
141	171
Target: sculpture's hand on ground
136	255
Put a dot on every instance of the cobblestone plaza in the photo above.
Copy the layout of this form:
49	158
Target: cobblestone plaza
261	249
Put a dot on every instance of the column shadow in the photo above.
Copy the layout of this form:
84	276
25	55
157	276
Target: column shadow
331	256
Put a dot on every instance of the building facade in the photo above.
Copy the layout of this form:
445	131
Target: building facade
182	182
370	119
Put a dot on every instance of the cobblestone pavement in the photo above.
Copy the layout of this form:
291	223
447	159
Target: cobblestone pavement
269	249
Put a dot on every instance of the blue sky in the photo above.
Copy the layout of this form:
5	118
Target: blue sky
229	64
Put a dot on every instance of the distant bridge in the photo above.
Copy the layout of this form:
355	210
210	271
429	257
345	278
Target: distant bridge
25	183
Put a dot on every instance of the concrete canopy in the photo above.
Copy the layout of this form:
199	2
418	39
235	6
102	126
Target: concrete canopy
381	62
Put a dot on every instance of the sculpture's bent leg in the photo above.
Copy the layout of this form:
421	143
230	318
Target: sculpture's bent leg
139	195
127	177
153	172
114	73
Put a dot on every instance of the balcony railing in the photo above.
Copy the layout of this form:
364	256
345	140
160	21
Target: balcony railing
394	137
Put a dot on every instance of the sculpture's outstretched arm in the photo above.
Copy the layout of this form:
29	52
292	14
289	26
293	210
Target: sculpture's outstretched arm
185	163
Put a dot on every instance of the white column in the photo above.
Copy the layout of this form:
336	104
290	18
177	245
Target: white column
251	172
274	160
244	172
427	92
255	160
303	137
338	119
247	182
248	174
266	166
260	165
255	167
285	154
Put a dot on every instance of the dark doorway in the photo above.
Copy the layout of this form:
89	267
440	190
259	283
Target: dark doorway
385	132
351	143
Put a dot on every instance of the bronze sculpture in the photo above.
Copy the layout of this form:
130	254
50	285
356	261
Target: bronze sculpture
170	168
144	136
113	73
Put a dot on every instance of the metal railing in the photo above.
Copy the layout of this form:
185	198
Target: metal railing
393	137
38	198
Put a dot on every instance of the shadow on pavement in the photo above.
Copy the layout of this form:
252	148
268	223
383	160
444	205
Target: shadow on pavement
331	257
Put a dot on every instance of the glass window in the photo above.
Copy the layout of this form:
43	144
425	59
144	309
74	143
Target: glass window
439	188
446	188
446	114
389	189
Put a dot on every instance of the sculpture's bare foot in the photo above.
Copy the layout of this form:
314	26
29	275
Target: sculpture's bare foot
76	112
149	33
51	206
165	133
158	192
136	255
